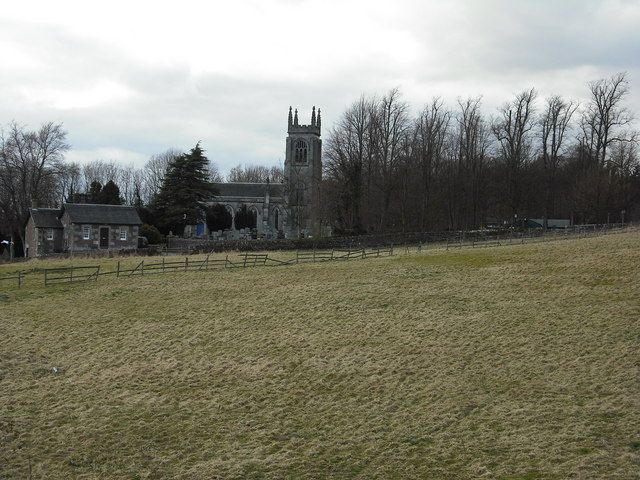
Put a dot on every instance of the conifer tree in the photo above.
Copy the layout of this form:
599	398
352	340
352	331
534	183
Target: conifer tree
184	192
95	191
110	194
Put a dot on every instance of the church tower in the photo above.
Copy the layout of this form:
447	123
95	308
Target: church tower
303	172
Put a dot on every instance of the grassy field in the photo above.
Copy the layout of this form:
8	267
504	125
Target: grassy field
513	362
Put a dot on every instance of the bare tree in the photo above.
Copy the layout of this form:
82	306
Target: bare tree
100	171
255	174
69	180
155	170
390	130
471	144
346	153
605	115
512	130
430	133
29	163
214	173
554	123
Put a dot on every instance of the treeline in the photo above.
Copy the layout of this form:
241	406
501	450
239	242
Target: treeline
457	168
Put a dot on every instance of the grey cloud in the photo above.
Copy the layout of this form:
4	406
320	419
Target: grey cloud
494	47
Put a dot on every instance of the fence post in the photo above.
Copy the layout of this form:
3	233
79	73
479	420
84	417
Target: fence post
331	254
142	265
118	269
19	279
162	264
314	254
297	259
186	263
97	273
71	277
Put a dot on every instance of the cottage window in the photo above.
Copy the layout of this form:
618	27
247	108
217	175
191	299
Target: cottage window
86	232
123	233
49	233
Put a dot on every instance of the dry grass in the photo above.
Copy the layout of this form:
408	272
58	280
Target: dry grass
513	362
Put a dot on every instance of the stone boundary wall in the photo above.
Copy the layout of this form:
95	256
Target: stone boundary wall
177	244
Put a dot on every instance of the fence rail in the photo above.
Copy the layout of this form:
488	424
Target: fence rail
71	274
77	274
15	277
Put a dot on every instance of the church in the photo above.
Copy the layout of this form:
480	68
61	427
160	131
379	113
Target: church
289	209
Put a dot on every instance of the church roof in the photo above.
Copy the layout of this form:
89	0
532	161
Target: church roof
46	217
248	190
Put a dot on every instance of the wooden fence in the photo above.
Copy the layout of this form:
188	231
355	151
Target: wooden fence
475	240
78	274
74	274
13	278
71	274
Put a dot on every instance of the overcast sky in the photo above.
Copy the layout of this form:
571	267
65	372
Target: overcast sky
133	78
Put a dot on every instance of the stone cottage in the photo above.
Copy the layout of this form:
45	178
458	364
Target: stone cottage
82	227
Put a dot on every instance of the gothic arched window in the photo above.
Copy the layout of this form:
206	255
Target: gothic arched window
300	151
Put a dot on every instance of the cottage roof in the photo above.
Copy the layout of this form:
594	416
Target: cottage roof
105	214
46	217
248	190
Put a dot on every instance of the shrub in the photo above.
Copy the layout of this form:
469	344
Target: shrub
151	232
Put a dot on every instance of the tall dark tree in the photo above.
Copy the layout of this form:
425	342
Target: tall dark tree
512	130
218	217
110	194
554	124
246	218
95	192
184	192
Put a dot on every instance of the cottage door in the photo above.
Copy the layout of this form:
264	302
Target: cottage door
104	237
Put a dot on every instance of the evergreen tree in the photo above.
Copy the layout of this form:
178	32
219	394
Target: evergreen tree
184	192
95	192
245	218
110	194
218	217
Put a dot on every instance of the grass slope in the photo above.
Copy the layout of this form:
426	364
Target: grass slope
514	362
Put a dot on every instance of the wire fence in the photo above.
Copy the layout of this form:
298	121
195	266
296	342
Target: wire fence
484	239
